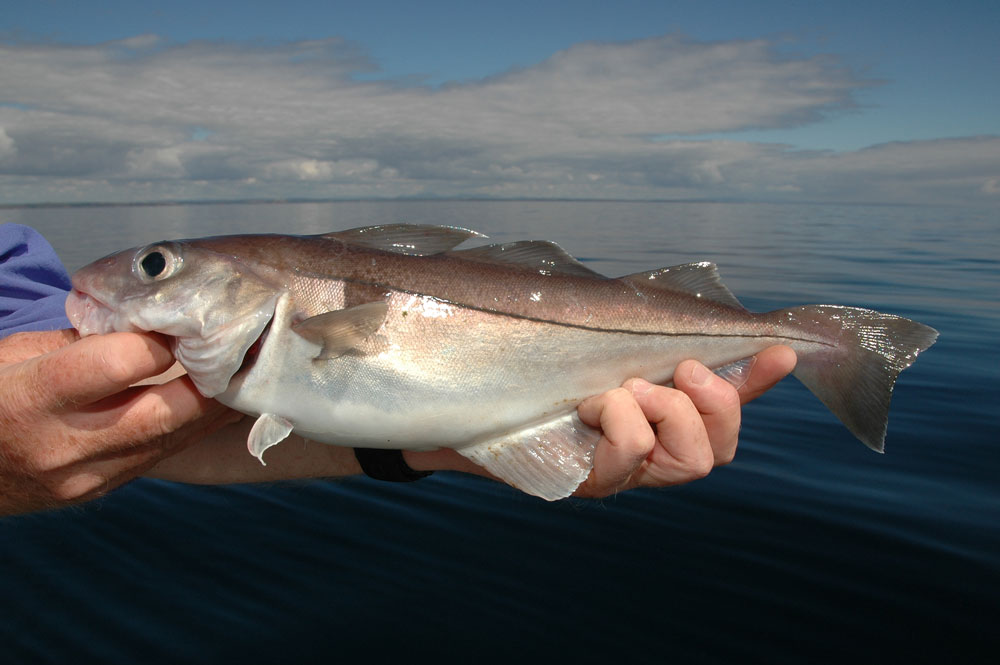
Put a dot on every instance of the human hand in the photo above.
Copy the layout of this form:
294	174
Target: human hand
72	428
696	428
656	436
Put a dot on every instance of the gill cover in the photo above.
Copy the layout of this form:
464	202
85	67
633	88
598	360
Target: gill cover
214	308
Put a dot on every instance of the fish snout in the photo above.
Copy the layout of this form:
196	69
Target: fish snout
88	315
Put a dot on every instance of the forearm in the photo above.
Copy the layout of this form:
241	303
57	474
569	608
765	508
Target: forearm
223	458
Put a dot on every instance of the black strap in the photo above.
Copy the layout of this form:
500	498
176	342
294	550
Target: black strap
387	465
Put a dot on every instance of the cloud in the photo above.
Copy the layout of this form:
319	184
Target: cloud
7	147
145	119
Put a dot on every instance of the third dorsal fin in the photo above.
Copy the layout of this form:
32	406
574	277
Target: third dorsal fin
698	279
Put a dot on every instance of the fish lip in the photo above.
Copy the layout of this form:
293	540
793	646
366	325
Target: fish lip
88	314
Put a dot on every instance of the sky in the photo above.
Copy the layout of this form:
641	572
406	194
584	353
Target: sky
859	102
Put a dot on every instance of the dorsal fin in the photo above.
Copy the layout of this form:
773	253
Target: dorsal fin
698	279
537	255
411	239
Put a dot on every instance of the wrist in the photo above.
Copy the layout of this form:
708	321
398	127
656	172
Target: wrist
442	459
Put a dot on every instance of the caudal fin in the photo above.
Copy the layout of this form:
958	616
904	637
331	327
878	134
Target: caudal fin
853	375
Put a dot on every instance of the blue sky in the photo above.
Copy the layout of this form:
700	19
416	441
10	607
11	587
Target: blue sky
887	102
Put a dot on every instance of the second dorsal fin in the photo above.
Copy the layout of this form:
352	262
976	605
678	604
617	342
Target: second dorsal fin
697	279
537	255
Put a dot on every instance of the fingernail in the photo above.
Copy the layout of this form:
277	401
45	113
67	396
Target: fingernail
699	375
641	386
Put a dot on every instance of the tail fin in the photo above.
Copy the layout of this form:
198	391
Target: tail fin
854	373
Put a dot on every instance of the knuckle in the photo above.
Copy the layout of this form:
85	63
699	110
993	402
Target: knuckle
634	447
618	397
672	400
729	399
73	488
702	468
671	405
115	368
650	439
61	481
644	441
160	420
725	457
701	464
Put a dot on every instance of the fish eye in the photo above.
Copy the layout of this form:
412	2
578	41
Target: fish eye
156	262
153	264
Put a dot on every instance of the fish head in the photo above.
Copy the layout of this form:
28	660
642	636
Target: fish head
213	304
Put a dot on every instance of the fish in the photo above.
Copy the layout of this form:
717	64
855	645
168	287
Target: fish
393	337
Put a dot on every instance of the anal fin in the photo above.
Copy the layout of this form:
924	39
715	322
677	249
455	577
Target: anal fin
549	460
269	430
737	373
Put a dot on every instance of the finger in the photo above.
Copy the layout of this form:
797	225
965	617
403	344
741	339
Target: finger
773	364
96	367
98	477
685	452
22	346
627	441
165	408
113	468
717	402
138	415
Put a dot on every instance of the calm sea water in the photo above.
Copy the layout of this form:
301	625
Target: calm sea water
808	548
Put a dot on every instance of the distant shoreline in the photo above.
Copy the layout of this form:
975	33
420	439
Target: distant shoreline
200	202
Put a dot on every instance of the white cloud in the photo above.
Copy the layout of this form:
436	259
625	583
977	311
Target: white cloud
143	119
7	147
314	169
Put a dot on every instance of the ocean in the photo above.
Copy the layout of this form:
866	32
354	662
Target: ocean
807	548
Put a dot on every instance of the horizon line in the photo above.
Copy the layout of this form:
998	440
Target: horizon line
456	199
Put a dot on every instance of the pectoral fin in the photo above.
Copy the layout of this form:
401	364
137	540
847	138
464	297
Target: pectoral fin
549	460
269	430
344	329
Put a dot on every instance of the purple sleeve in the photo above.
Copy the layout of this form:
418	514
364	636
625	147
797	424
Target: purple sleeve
33	282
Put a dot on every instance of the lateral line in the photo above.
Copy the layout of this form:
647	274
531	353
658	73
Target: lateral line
524	317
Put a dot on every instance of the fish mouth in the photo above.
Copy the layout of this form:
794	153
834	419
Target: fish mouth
88	314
